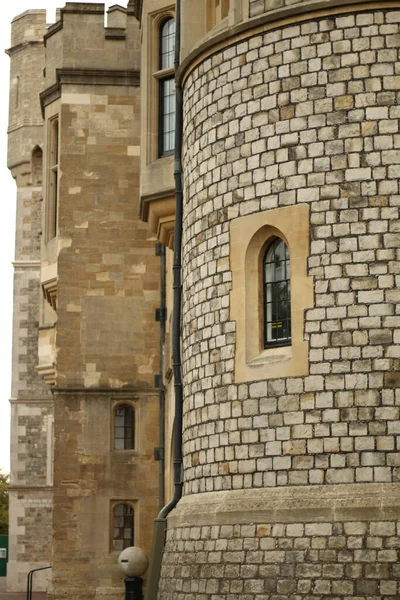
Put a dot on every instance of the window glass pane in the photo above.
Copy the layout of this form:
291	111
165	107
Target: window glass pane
123	526
276	270
118	545
167	44
124	427
167	115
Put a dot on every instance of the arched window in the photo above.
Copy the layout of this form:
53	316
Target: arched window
123	526
37	160
276	270
166	118
124	427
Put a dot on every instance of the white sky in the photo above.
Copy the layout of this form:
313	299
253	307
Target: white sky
7	222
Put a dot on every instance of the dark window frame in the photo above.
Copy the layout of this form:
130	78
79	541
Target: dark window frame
275	314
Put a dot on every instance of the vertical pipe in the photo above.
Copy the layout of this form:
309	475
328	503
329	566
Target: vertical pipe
161	482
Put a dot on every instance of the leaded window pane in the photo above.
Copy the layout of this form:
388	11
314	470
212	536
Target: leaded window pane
124	427
123	526
167	115
167	44
277	317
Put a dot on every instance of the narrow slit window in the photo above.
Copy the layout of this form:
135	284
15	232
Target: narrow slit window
53	180
123	527
276	274
124	427
166	118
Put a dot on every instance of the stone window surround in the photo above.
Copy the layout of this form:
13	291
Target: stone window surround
114	406
250	236
155	75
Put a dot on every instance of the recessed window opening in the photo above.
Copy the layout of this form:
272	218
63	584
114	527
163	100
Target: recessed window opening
123	527
276	274
124	427
37	166
53	180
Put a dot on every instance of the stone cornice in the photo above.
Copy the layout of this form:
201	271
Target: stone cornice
26	264
300	504
23	46
288	15
24	123
110	77
29	402
145	201
128	392
30	488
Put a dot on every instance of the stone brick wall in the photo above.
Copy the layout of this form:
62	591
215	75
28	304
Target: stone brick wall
301	113
284	560
259	7
306	113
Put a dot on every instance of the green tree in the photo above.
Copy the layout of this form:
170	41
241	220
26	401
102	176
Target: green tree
4	503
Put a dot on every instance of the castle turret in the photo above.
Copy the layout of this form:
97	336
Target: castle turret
31	402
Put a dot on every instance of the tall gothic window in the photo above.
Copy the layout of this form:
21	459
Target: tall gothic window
124	427
52	207
276	270
166	118
123	526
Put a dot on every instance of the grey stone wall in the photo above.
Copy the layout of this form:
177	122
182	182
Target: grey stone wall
284	560
31	409
307	113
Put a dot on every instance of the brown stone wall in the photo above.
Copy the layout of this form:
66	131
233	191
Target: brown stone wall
89	476
106	335
108	271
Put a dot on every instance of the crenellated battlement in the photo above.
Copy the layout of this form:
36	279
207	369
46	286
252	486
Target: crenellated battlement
80	40
29	26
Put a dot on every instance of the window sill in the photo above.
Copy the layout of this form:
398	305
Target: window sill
271	356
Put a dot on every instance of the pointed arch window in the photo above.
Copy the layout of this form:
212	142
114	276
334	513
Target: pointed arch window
276	273
166	118
124	427
123	526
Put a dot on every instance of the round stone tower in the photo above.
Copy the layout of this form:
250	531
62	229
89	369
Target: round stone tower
290	308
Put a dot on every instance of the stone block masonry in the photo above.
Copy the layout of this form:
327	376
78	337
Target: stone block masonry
286	560
294	472
292	116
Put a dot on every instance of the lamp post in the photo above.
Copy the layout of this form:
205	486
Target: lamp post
133	563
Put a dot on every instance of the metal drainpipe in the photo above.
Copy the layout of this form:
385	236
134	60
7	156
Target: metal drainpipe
161	484
160	523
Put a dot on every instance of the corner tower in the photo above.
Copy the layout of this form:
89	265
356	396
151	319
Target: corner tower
290	358
31	401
